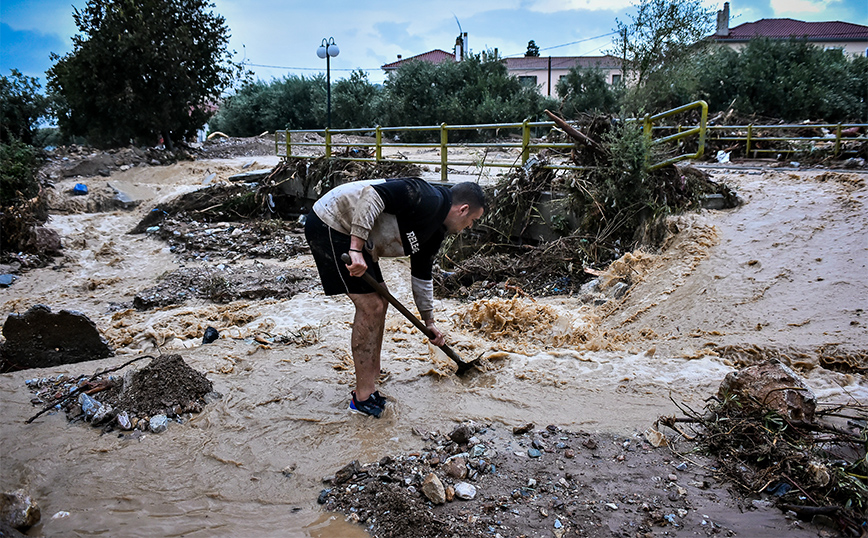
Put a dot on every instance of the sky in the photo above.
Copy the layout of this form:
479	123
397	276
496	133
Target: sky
279	38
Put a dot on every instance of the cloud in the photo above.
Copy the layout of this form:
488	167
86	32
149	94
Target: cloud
555	6
788	8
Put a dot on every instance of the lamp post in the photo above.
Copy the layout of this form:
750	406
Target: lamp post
327	50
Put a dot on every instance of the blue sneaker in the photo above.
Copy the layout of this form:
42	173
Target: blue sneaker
371	406
379	398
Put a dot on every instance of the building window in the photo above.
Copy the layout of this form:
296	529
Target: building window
616	79
527	80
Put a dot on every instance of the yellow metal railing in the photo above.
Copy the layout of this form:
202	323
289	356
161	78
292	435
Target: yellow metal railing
834	140
648	125
284	146
384	139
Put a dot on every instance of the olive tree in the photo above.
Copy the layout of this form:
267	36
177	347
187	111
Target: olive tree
142	69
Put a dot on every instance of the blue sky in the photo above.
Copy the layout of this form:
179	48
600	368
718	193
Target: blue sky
280	37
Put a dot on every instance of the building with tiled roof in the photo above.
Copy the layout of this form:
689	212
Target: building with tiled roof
851	38
545	71
434	56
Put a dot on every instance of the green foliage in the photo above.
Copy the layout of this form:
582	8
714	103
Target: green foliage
790	80
290	103
18	165
476	90
21	107
586	90
355	102
661	32
624	184
141	69
532	49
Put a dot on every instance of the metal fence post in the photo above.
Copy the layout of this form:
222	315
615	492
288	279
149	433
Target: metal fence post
525	141
749	136
837	139
444	159
328	143
379	150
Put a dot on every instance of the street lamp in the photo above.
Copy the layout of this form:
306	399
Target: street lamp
327	50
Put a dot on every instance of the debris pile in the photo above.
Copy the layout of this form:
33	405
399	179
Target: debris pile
555	224
143	400
480	481
224	284
771	439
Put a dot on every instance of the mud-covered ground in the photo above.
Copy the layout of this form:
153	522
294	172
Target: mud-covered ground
782	276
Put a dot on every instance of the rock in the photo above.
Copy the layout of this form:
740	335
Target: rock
534	453
462	434
98	164
465	491
7	531
7	280
450	494
521	430
40	339
45	240
656	438
433	488
158	423
618	290
773	385
456	468
347	472
18	510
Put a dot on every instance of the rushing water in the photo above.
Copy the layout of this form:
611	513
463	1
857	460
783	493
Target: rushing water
791	261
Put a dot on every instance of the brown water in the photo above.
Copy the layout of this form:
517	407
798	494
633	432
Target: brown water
252	463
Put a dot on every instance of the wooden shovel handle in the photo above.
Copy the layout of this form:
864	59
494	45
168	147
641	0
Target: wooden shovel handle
462	366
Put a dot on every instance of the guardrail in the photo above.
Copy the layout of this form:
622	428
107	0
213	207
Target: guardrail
388	139
648	125
383	141
751	137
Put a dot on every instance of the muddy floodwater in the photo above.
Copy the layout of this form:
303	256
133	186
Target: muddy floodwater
783	275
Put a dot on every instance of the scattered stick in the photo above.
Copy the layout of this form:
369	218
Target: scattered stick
575	133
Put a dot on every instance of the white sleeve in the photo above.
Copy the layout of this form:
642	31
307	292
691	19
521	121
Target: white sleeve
369	207
423	295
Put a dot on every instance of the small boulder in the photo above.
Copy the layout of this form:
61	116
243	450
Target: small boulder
39	338
462	434
772	385
465	491
433	488
456	468
18	510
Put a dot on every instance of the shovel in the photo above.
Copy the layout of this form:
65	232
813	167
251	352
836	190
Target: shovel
463	367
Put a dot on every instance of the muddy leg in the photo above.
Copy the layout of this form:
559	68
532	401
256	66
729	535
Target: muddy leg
367	340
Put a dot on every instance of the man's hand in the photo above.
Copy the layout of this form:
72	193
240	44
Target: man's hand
358	266
439	338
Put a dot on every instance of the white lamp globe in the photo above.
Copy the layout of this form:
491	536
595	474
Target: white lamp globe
333	50
321	52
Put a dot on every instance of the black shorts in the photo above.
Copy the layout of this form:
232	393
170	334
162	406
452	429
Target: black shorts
327	245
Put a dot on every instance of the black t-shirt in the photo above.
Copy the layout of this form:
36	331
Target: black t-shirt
420	209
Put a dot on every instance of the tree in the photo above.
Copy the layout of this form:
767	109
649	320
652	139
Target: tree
355	101
141	69
584	90
21	107
661	32
532	50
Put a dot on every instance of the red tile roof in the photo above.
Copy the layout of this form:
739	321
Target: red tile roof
534	63
435	57
786	28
